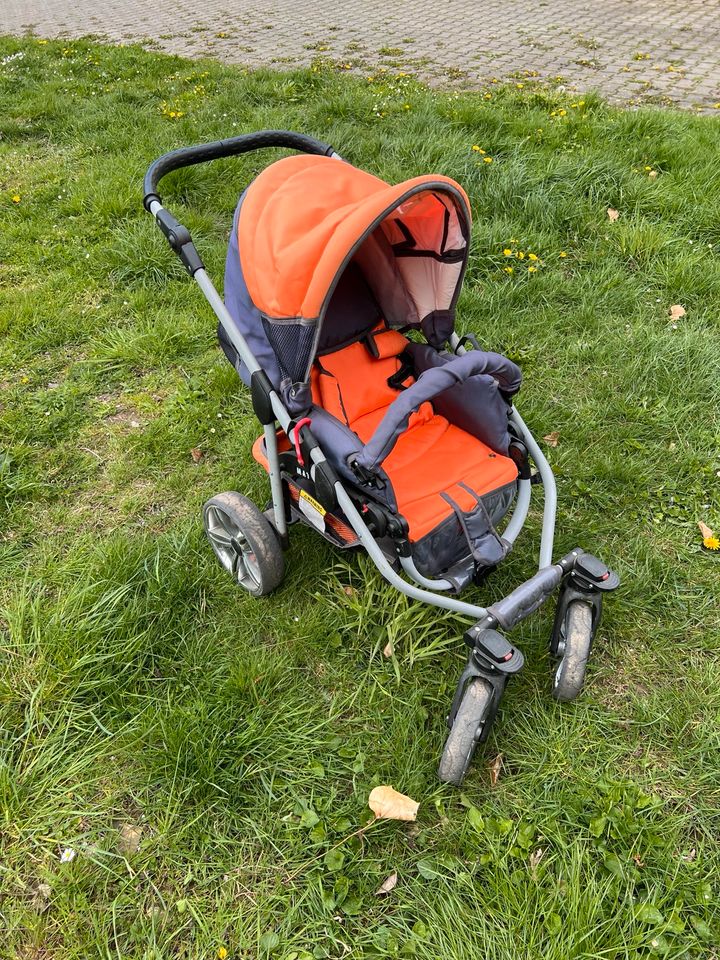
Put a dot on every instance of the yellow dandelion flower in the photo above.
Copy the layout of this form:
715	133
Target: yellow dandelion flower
507	252
488	96
563	254
487	159
532	256
519	85
532	269
712	543
16	198
508	269
562	113
477	149
648	168
222	953
24	379
520	255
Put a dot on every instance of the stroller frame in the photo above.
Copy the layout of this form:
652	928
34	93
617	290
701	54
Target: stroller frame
581	577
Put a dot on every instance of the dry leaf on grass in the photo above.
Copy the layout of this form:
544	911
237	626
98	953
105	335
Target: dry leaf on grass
552	438
677	311
495	768
612	214
130	836
197	454
389	649
388	884
710	541
349	591
388	804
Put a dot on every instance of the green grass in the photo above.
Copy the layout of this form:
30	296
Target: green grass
139	689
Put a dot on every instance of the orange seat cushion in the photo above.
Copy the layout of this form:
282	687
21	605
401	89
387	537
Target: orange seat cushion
431	457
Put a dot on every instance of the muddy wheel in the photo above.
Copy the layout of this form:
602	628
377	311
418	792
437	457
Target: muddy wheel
244	542
469	726
573	643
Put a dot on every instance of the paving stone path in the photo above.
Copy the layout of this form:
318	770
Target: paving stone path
632	51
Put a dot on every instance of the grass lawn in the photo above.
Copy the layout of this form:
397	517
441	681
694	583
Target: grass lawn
207	756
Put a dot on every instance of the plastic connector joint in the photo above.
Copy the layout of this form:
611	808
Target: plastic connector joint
180	241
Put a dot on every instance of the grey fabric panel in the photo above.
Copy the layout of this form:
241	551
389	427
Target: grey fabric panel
338	443
431	383
476	406
447	545
297	397
247	315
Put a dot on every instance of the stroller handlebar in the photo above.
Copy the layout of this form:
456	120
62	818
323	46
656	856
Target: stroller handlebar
234	146
176	234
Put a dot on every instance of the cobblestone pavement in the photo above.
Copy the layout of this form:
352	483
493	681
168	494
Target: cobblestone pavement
632	51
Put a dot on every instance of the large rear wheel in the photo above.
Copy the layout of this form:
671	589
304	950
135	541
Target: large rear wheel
244	542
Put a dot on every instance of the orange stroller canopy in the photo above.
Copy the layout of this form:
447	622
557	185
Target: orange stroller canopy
299	225
304	217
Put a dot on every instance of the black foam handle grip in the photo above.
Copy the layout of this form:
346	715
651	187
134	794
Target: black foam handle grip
187	156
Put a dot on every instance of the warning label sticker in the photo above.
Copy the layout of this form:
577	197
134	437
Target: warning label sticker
314	511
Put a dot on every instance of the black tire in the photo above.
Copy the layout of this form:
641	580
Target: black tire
465	732
577	637
244	542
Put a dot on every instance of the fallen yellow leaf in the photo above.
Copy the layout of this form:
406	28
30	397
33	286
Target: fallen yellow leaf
495	768
612	214
388	884
388	804
677	311
552	438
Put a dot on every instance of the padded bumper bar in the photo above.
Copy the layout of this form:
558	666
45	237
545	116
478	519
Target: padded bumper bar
429	384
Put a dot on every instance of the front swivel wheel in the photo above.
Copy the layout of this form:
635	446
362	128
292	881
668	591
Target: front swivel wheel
471	725
244	542
571	641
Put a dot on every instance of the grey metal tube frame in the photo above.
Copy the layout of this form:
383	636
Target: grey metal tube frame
423	589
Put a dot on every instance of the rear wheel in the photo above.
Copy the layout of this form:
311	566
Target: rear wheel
244	542
469	726
573	644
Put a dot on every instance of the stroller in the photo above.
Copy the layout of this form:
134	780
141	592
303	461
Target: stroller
383	429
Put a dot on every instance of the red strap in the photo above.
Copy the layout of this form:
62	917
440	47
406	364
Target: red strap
305	422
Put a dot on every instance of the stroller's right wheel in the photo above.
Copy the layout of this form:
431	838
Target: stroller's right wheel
244	542
473	716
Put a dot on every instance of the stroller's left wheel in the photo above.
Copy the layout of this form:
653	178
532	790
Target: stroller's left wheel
244	542
469	726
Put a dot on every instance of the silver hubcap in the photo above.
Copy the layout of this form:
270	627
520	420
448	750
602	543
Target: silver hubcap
232	548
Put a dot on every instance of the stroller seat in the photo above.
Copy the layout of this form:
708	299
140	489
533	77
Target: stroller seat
434	463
